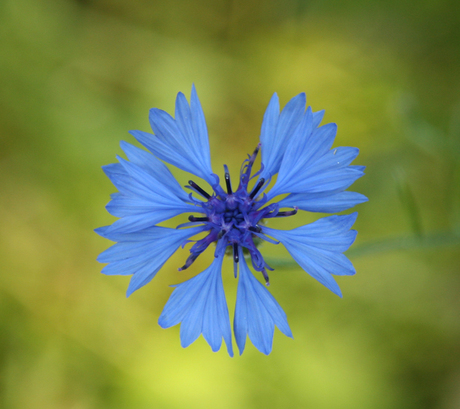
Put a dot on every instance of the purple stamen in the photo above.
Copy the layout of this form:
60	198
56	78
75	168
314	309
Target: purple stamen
232	218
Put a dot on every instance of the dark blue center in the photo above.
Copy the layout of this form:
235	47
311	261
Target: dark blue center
233	217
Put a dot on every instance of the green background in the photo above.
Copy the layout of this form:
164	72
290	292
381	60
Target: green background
75	76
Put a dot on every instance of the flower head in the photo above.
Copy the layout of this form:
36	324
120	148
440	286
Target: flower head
296	150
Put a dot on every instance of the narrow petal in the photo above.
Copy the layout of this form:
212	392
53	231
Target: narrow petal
277	129
200	129
143	200
268	133
155	168
323	202
147	181
182	142
121	206
318	117
199	305
142	221
256	312
133	181
331	179
317	178
124	250
308	146
142	253
318	247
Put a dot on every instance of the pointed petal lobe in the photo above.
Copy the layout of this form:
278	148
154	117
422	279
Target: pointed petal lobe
142	253
318	247
182	142
199	305
256	312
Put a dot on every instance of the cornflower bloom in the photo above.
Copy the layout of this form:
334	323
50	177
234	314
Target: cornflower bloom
294	148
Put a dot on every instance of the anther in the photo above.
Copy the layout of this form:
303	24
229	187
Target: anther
236	258
254	155
189	262
198	219
267	280
227	180
256	229
199	189
257	188
248	167
287	213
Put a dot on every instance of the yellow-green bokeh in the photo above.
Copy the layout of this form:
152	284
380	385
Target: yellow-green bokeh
77	75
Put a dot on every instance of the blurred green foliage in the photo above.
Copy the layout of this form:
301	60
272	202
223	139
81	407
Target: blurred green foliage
77	75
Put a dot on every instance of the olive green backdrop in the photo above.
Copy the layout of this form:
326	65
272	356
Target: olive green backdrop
75	76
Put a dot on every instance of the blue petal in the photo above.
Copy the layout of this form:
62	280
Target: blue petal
130	224
318	247
144	201
113	169
142	253
307	146
328	180
146	181
267	134
155	168
122	206
323	202
317	118
182	142
256	312
200	305
133	181
126	250
277	129
309	164
199	128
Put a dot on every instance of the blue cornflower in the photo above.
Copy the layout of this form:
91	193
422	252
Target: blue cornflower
314	175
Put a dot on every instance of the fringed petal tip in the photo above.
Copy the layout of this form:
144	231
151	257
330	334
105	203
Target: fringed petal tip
181	141
256	312
318	247
323	202
101	231
200	306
